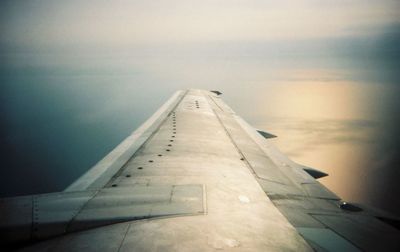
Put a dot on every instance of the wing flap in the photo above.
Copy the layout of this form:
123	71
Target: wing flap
60	213
365	232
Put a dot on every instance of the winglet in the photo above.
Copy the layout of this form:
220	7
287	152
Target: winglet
216	92
315	173
265	134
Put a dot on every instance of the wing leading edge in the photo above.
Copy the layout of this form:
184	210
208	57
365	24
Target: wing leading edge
197	177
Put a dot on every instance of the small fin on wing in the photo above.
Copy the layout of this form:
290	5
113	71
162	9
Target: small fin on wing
315	173
266	134
216	92
349	207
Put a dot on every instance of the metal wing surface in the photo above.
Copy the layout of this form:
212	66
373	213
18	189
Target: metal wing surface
195	177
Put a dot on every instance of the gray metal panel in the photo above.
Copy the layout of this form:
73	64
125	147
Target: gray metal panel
366	232
306	203
39	216
256	159
325	240
53	212
270	187
264	168
107	238
319	191
299	217
112	205
15	219
59	213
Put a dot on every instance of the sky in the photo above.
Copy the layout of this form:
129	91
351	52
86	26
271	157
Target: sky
128	23
76	77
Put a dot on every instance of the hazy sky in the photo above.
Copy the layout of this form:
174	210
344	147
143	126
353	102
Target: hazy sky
76	77
129	23
196	42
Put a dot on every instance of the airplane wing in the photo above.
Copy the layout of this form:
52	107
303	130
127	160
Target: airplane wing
195	177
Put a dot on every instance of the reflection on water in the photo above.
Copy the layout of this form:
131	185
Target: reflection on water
343	128
337	147
68	96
